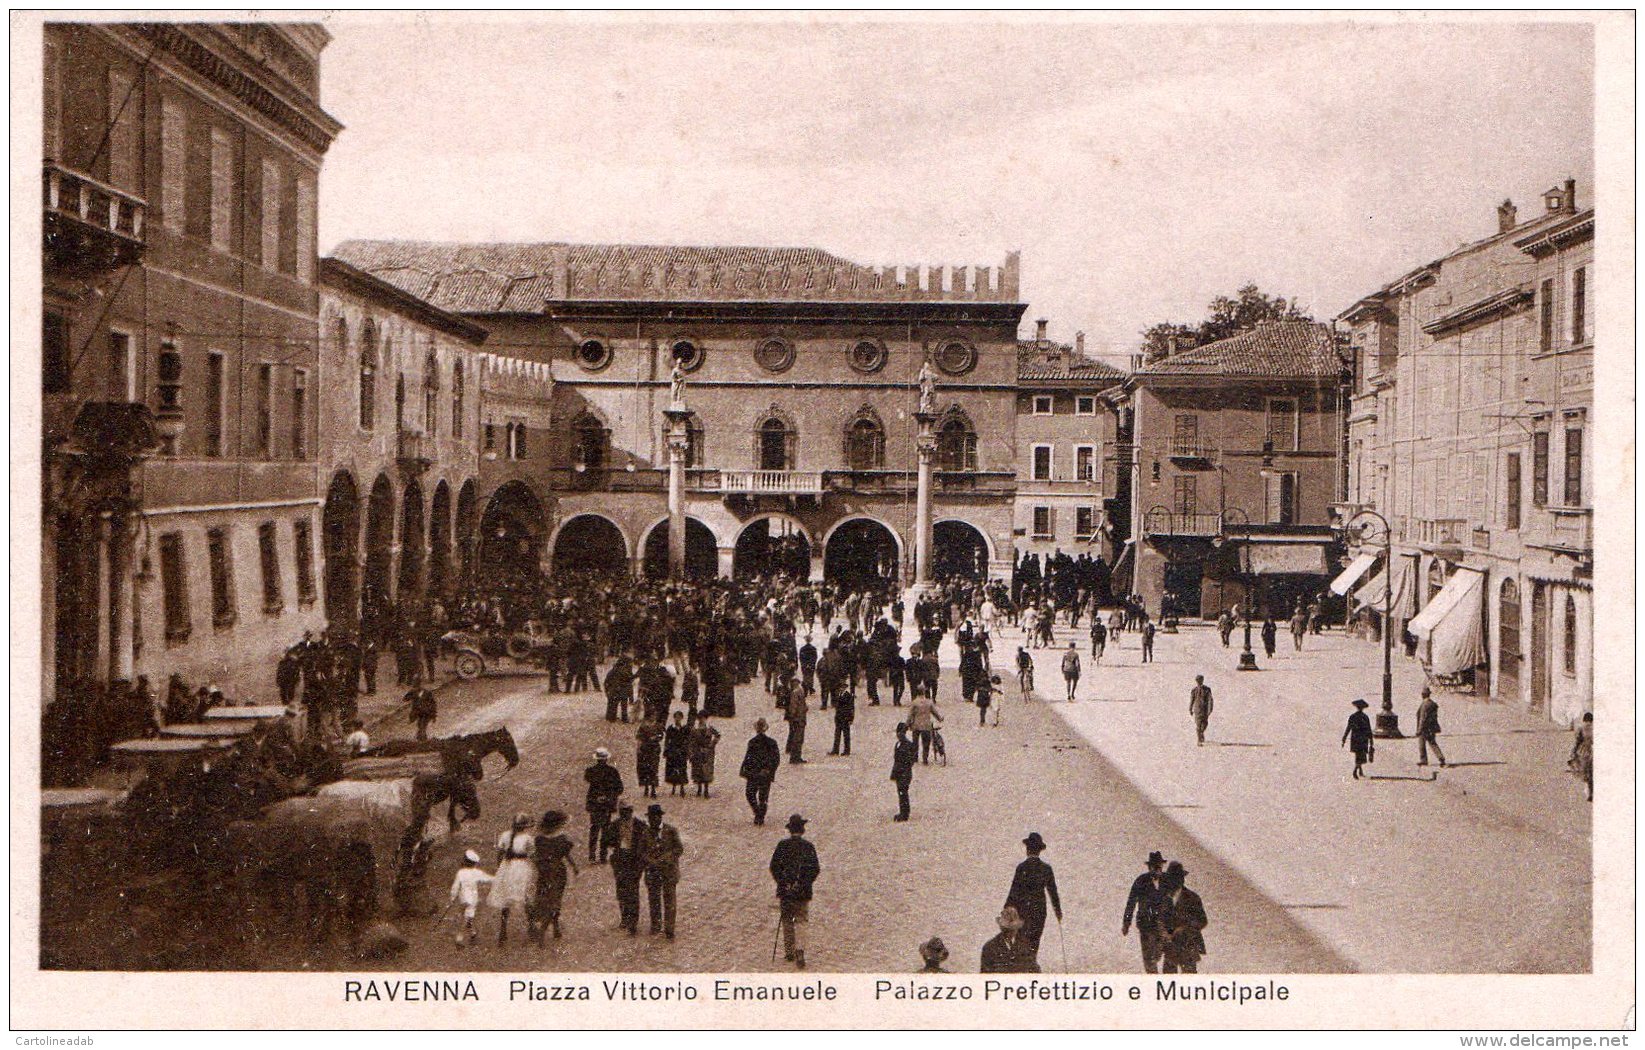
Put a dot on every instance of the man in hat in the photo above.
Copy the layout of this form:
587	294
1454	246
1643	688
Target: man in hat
1199	707
1007	951
933	954
1033	882
794	713
794	866
1358	738
625	838
1146	904
663	849
845	712
760	764
1183	919
619	688
903	757
604	785
1428	729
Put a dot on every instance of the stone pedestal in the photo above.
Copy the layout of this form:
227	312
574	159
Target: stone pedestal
1387	724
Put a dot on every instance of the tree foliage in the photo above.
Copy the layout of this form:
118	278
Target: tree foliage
1224	316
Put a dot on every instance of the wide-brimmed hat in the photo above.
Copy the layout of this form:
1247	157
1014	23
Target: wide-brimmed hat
471	856
1034	841
625	807
934	950
1009	919
1156	857
601	753
552	820
796	823
1361	704
522	820
654	810
1175	868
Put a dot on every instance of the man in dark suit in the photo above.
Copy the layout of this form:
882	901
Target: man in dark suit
1008	951
663	849
760	764
1145	904
1033	882
903	757
831	672
625	838
1428	729
845	712
604	785
619	688
1182	920
1199	707
795	867
808	665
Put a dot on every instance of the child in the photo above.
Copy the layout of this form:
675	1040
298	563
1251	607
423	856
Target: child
466	888
357	740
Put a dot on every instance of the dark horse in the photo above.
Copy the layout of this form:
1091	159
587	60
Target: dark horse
454	749
456	788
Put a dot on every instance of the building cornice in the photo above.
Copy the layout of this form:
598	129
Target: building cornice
335	273
1510	300
795	311
1545	242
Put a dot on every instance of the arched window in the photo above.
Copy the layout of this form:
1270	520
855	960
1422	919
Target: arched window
1570	636
865	442
774	444
431	394
956	444
593	445
456	399
368	371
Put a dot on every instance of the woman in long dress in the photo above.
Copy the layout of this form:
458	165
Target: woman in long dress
704	740
516	880
676	749
553	853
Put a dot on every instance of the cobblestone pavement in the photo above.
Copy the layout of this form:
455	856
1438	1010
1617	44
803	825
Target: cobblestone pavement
1484	866
885	887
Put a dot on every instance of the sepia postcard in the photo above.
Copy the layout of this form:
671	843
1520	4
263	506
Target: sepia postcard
823	520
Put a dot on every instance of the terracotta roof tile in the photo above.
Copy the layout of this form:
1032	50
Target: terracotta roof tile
1275	349
1049	362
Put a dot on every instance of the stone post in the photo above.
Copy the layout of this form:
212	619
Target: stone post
679	440
927	448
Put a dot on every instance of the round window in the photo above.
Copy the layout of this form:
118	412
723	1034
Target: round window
957	358
775	355
686	354
593	355
868	356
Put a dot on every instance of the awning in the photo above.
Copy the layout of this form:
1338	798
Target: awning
1371	592
1451	624
1286	557
1348	577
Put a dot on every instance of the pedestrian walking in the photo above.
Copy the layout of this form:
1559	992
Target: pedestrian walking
1270	636
1316	618
1358	737
1225	626
1428	729
677	755
985	698
795	713
1145	905
1031	885
465	890
1099	637
605	784
1184	923
663	849
624	838
845	713
1299	626
515	884
1200	704
760	764
902	769
619	688
705	741
648	755
424	709
1071	670
923	717
1025	672
795	867
1008	951
1581	761
552	852
1147	639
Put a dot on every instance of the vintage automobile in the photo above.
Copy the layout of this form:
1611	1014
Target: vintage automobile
481	651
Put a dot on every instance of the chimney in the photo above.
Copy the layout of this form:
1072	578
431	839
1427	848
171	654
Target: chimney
1039	330
1570	196
1507	216
1079	343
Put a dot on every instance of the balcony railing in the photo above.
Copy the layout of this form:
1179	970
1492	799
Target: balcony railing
1160	522
90	225
771	482
1572	530
1192	448
1441	531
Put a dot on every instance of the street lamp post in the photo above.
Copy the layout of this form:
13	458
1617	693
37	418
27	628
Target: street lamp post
1247	658
1387	721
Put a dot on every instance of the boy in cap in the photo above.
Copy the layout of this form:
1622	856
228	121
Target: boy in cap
794	866
465	888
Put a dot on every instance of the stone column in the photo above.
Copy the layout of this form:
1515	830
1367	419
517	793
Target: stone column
927	448
679	441
727	561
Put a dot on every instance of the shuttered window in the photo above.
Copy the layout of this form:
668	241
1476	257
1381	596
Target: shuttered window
1539	469
174	587
1513	485
221	560
268	550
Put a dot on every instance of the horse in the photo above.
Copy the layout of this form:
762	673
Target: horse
452	749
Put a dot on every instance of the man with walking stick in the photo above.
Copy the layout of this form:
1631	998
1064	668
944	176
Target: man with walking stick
794	866
1033	882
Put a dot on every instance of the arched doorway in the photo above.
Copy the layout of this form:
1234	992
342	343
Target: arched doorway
591	544
439	543
861	552
340	529
702	556
511	533
1508	646
467	526
771	546
376	602
413	549
958	550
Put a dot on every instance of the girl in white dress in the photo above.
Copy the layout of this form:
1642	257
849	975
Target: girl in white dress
516	879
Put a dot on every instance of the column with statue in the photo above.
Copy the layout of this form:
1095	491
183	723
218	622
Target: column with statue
926	446
678	436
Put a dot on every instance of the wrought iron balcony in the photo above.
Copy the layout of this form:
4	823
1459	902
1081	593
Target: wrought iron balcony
771	482
89	226
1192	450
1162	522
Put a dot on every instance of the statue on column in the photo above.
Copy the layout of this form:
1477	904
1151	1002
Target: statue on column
676	381
928	388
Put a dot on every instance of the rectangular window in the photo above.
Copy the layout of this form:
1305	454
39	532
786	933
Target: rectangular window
54	353
1042	523
1042	462
265	411
222	190
122	378
299	413
1085	406
1085	523
1185	433
1547	297
1282	423
272	186
304	543
1573	467
214	404
490	437
1042	405
174	587
517	449
457	395
1539	469
123	109
1579	305
1280	496
1512	483
222	577
268	550
173	164
307	218
1184	494
1085	463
